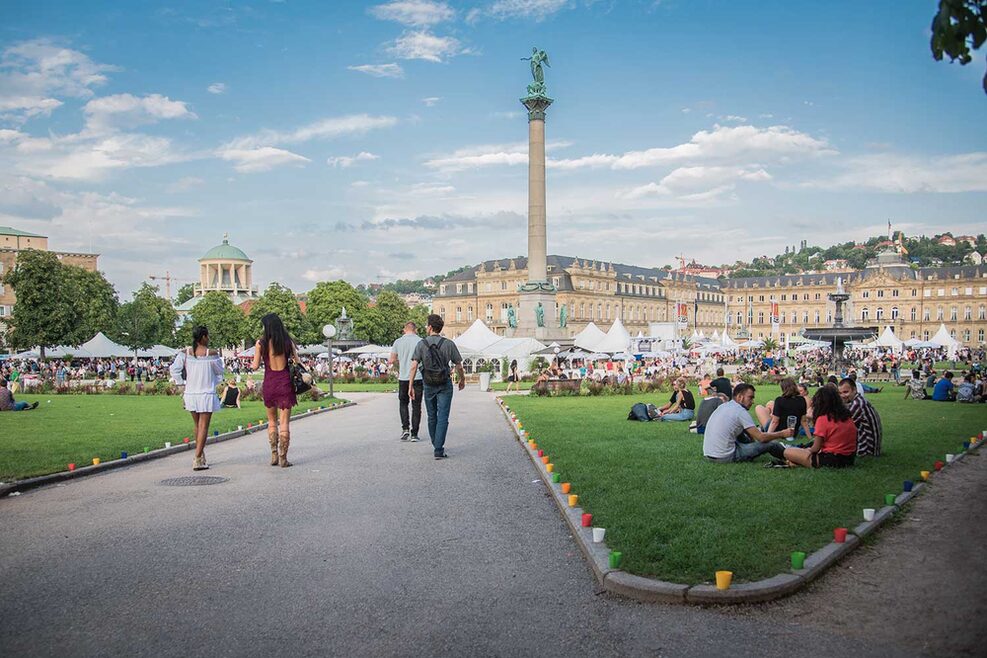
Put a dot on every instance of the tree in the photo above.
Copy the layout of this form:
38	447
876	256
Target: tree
95	303
419	315
770	344
371	325
226	323
393	314
279	299
147	320
185	293
44	312
327	299
958	27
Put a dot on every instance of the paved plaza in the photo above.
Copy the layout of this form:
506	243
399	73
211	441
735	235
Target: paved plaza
368	546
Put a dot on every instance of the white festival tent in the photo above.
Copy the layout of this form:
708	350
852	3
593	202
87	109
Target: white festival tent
943	339
715	337
369	349
617	339
726	341
912	342
512	348
101	347
888	339
477	337
480	342
588	337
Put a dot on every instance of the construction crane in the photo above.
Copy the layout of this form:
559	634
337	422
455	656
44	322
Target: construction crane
167	278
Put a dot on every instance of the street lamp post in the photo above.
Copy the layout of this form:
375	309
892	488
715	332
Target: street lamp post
329	331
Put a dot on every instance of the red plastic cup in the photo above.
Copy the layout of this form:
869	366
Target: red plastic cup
839	535
71	467
587	520
185	439
541	453
938	465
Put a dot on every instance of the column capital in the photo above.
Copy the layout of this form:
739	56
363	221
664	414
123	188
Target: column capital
536	105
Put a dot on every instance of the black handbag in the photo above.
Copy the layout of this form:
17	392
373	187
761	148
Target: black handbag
297	372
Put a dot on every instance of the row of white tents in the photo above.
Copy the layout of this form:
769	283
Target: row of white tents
941	340
98	347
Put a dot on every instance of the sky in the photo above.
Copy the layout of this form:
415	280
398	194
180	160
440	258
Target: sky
379	140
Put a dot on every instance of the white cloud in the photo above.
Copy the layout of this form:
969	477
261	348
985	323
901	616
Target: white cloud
431	101
34	73
346	161
416	13
328	128
699	183
487	155
185	183
425	45
127	111
380	70
360	183
260	158
217	88
535	9
905	174
330	274
734	118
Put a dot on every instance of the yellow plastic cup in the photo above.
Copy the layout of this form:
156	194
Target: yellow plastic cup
95	461
573	499
723	579
549	467
924	474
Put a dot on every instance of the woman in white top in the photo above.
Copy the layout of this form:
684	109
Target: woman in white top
203	373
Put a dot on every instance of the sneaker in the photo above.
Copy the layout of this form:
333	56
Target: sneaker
405	434
199	464
414	438
34	405
441	455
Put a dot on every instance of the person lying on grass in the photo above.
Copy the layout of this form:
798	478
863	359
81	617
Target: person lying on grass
732	435
834	442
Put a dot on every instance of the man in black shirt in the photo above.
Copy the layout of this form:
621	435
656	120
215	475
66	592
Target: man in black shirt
721	384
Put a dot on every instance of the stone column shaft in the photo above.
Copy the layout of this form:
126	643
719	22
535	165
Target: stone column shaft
537	239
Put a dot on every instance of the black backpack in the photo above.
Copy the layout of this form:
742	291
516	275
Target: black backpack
643	412
435	371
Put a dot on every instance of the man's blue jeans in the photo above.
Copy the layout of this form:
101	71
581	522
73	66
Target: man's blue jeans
438	402
20	406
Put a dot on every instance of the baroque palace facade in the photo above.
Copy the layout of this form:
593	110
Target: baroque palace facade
914	302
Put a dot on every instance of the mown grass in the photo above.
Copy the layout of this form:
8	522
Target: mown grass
75	428
677	517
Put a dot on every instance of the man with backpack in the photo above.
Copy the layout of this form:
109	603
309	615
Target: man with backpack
433	356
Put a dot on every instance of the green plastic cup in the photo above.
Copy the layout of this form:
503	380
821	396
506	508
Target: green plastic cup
146	449
889	499
556	477
615	557
798	559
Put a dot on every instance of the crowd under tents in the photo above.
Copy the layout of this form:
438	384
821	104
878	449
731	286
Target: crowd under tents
98	347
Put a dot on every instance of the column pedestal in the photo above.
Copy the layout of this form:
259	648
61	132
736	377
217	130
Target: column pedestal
527	320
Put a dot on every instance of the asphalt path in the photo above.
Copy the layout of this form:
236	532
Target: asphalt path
366	546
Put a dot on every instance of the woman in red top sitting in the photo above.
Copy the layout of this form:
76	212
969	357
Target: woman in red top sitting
834	436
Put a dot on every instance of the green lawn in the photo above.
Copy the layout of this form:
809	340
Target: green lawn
677	517
500	386
76	428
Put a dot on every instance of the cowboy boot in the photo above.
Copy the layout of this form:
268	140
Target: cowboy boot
272	438
283	449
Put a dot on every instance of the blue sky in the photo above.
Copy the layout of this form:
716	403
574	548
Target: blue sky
371	141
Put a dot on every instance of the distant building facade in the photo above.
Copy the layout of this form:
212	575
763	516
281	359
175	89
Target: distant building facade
12	242
226	269
888	291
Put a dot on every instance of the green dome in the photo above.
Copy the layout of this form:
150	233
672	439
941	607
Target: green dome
225	251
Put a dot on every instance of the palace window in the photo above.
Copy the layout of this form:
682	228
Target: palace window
442	290
894	312
926	315
829	317
865	294
459	314
955	291
442	311
781	320
599	311
760	298
968	313
925	335
880	293
914	314
864	314
894	293
760	317
966	336
940	314
880	313
740	318
469	313
980	335
914	292
982	312
459	288
784	298
807	317
953	314
489	312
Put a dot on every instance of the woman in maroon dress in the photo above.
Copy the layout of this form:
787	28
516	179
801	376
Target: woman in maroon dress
275	349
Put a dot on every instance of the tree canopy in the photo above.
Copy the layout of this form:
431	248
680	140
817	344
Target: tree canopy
957	28
185	293
279	299
327	299
226	323
147	320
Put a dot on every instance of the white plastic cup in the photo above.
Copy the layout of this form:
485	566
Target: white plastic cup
239	428
950	457
167	444
868	514
598	534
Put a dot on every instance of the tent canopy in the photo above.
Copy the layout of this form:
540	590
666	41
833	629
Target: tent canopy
617	339
888	339
368	349
101	347
943	339
588	337
477	337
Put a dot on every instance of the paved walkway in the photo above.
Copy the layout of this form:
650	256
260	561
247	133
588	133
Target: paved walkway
367	546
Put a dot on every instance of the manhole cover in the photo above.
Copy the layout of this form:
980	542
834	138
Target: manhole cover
193	481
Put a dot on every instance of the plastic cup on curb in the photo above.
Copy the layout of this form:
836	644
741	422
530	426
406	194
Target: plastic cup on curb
839	535
598	535
723	579
950	457
541	453
556	477
798	559
566	487
587	520
573	500
907	485
544	459
167	444
889	499
71	467
549	467
966	445
869	513
215	433
239	428
924	475
95	461
615	557
147	449
123	455
186	439
938	465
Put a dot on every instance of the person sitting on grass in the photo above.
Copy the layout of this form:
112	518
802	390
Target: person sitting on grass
7	402
733	436
915	387
681	406
966	391
865	418
721	384
834	443
943	391
804	392
231	395
706	409
788	405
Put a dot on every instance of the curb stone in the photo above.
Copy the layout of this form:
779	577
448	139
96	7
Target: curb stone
640	588
43	480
